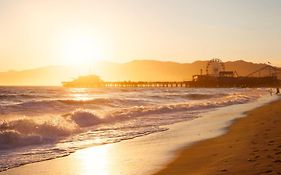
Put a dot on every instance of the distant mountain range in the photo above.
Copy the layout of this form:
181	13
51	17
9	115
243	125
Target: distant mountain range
138	70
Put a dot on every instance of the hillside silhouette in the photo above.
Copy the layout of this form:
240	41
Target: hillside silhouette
151	70
138	70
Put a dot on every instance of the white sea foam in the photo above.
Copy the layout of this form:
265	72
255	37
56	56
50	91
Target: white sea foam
55	121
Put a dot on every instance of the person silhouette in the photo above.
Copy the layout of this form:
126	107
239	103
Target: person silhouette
277	90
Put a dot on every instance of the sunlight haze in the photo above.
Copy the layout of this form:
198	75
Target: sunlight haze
40	33
140	87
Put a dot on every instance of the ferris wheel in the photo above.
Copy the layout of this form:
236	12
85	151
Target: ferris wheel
214	67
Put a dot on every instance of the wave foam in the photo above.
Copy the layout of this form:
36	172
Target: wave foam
30	131
22	132
12	138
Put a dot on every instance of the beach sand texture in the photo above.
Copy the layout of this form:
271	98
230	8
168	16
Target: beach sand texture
251	147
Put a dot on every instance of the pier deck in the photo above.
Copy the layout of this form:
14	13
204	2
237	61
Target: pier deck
144	84
208	82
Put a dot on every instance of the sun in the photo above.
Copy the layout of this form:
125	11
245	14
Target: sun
79	49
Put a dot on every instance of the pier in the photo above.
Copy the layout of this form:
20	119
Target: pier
216	77
144	84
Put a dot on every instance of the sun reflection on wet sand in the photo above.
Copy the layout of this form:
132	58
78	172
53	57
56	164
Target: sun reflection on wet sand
94	161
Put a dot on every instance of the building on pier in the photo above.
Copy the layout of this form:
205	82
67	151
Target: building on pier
217	76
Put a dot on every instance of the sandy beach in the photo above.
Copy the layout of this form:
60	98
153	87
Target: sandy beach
252	146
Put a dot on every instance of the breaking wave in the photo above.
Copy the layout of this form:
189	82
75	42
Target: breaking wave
84	118
22	132
49	122
54	106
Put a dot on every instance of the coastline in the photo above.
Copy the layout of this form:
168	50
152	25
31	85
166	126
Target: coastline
142	155
252	146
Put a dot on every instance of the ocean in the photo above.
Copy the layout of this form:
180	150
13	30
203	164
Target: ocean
42	123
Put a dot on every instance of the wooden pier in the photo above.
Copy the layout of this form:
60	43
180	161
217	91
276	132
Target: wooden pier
200	82
147	84
216	77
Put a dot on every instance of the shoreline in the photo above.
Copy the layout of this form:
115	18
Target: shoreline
157	149
251	146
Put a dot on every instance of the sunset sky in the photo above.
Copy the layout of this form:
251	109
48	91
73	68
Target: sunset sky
36	33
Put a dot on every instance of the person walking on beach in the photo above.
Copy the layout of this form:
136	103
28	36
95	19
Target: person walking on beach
277	90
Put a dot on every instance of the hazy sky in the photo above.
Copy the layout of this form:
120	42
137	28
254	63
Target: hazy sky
39	33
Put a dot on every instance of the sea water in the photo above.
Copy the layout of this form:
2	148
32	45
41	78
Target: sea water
41	123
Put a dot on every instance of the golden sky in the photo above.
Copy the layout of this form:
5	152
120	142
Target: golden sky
37	33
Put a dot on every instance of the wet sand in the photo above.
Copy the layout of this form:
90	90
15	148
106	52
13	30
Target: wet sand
251	147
